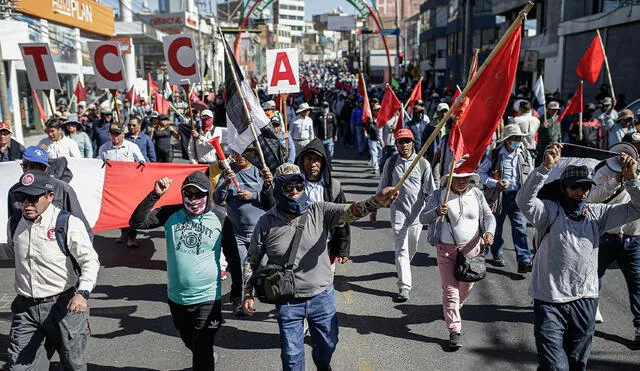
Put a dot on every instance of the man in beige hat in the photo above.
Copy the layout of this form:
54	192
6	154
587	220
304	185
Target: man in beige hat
301	129
503	172
622	126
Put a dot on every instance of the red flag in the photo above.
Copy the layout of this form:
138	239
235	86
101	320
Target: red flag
131	95
366	107
591	62
575	105
153	87
80	92
160	105
485	103
416	94
43	116
391	105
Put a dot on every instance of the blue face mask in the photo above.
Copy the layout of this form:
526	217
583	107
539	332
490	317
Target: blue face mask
288	205
573	207
515	145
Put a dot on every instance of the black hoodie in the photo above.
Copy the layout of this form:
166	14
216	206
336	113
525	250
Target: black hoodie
340	243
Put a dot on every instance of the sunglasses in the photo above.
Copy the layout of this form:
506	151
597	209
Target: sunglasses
585	187
289	187
197	194
21	197
404	141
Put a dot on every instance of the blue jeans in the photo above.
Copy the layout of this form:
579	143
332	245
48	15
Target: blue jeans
328	147
518	229
626	252
361	141
375	150
320	312
564	333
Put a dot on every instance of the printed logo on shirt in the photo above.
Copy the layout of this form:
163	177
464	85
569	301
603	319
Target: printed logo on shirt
28	179
191	237
51	234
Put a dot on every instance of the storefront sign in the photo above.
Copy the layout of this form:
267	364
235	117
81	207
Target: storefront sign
173	23
39	65
107	65
88	15
180	53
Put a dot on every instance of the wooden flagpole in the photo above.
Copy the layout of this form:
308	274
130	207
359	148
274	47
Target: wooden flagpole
474	65
282	100
606	64
187	90
244	102
516	23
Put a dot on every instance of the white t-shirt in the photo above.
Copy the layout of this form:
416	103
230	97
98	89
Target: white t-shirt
127	151
65	147
464	214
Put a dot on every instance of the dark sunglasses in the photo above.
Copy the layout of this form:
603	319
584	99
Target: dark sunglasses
404	141
21	197
197	194
288	187
583	186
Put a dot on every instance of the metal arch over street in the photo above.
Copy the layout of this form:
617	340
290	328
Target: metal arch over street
361	5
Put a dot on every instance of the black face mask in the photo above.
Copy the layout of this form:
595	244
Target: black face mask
574	208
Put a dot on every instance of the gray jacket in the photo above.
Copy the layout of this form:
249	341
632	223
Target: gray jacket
566	263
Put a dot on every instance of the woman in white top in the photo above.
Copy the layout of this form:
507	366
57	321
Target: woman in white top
469	218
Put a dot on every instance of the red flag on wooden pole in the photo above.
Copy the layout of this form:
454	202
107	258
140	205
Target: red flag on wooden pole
366	107
153	87
575	105
480	115
416	94
591	62
131	95
80	92
391	106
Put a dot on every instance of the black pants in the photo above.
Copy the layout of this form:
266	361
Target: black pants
564	333
198	325
164	155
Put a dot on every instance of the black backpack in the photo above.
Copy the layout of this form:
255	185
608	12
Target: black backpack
62	225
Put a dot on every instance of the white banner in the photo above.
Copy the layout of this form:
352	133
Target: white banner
283	76
182	63
40	68
106	58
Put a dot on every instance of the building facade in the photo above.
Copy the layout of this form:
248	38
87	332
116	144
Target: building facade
290	13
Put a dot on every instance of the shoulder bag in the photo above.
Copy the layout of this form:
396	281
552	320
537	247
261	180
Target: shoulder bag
468	269
275	283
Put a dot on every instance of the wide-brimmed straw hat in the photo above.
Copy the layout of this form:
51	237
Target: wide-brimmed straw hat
475	178
303	107
511	130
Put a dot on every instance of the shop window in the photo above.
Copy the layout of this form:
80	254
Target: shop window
441	16
61	43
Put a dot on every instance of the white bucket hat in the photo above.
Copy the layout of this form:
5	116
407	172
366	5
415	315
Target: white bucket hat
303	107
475	178
511	130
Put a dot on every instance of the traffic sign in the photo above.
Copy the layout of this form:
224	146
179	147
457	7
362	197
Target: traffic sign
390	31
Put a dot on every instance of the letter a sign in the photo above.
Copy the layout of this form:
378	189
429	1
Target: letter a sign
283	75
180	53
39	65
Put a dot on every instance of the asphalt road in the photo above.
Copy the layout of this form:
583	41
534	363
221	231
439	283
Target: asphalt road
132	328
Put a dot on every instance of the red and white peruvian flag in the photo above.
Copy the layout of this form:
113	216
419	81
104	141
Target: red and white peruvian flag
108	194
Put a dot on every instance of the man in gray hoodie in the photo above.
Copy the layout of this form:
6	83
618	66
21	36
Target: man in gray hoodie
564	284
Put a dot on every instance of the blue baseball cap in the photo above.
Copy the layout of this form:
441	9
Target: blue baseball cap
36	154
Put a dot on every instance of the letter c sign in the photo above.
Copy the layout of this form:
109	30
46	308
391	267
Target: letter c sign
179	51
107	65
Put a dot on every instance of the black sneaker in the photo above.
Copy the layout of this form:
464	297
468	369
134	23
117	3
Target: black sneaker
498	261
455	340
403	296
525	267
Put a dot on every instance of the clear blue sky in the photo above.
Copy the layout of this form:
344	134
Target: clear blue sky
312	7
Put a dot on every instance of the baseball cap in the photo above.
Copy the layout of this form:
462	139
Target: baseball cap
197	179
207	113
573	174
163	117
404	134
419	102
268	105
442	107
554	105
5	126
36	154
34	183
116	128
325	104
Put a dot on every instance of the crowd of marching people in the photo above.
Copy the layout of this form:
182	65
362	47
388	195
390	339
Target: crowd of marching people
243	217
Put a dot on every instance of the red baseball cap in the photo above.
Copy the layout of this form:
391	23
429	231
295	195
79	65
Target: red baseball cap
5	126
404	133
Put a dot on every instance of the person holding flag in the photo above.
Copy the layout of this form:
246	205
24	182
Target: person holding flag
405	210
468	226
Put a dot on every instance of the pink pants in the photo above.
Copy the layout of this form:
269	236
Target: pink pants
454	293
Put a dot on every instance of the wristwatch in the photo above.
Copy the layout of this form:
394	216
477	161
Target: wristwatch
85	293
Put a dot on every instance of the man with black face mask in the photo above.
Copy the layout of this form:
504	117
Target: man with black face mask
193	238
564	283
314	298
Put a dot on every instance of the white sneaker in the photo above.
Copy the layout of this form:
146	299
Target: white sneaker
599	318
